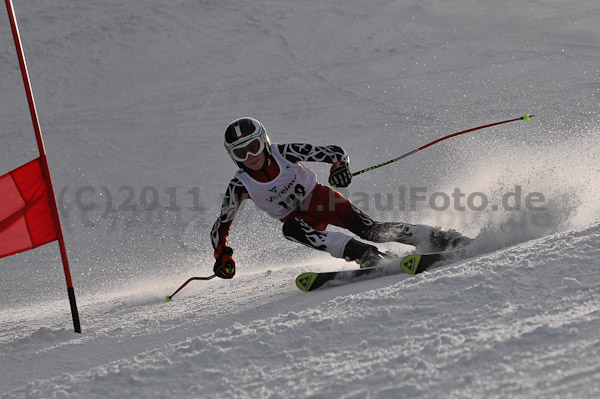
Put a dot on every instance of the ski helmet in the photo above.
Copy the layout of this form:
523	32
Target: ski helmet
245	137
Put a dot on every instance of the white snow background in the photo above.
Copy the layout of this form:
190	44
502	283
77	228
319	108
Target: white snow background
133	99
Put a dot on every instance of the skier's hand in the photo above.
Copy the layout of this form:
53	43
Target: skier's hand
225	265
340	175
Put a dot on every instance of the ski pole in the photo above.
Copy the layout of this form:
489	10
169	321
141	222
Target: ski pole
170	297
526	117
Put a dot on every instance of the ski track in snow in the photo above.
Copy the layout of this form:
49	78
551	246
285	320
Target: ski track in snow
531	335
136	94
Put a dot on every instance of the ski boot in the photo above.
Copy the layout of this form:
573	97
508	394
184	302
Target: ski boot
364	254
447	240
370	258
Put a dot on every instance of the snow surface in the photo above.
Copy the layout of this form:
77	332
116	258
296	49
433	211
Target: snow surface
133	98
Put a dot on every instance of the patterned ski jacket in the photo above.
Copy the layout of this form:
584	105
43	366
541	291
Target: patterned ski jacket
283	200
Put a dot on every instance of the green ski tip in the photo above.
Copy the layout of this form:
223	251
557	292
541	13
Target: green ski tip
306	280
168	299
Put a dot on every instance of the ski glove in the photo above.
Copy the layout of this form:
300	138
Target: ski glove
225	265
339	175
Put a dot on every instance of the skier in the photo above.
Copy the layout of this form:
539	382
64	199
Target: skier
273	176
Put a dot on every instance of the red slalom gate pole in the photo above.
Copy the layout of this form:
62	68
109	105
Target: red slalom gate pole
526	117
44	163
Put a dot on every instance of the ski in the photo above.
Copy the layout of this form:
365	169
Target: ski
410	264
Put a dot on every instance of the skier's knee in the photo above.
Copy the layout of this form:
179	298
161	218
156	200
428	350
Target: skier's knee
388	232
292	229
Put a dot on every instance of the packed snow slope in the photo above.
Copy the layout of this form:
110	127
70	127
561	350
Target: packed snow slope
133	98
521	322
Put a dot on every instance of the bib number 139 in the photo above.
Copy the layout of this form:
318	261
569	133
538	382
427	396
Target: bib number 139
293	200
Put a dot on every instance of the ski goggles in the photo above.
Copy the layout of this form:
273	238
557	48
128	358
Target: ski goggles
253	147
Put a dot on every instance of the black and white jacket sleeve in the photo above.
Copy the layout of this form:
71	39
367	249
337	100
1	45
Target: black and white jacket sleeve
300	152
235	194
